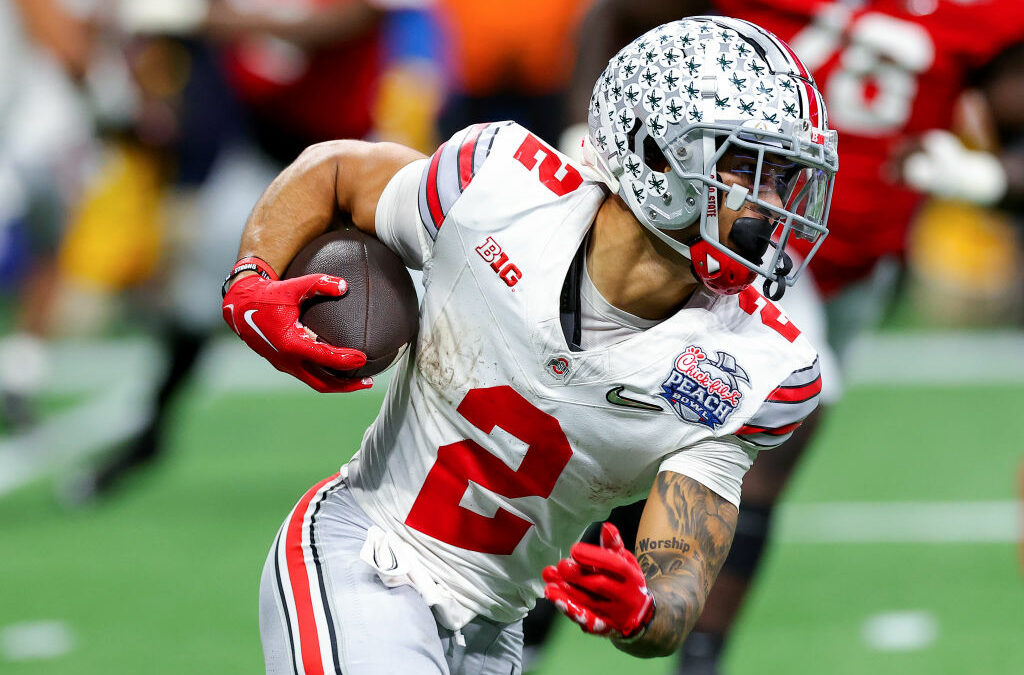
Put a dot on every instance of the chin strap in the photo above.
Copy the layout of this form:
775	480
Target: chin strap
779	279
780	289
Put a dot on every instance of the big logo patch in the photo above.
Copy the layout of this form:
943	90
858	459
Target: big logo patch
704	390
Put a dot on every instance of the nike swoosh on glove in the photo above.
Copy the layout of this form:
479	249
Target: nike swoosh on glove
602	588
265	314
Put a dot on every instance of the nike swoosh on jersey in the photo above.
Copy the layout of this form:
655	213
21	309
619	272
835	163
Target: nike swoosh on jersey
615	397
248	319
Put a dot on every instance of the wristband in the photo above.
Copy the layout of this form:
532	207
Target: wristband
642	630
248	264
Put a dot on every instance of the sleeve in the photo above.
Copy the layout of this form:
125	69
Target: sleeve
397	220
450	171
784	409
719	465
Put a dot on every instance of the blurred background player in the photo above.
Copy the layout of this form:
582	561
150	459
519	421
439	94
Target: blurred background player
500	61
198	105
261	82
509	60
892	73
45	149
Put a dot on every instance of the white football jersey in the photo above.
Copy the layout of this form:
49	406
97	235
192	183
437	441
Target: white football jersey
497	445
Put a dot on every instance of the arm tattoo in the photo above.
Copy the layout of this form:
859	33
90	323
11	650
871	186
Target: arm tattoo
681	570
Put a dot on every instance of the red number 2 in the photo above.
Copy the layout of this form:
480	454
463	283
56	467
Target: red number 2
771	316
436	511
532	150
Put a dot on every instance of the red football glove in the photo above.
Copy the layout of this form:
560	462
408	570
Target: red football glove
265	314
601	587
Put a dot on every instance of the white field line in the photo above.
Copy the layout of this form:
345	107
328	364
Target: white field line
77	366
892	359
951	358
117	374
93	427
36	640
902	522
226	366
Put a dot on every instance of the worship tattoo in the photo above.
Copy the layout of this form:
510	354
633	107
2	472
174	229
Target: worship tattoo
681	570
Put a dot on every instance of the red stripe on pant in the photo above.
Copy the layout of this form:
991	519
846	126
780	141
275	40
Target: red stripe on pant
309	637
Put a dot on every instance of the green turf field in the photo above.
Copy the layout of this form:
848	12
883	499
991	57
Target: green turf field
164	579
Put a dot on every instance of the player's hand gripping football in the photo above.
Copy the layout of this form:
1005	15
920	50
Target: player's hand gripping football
602	588
264	312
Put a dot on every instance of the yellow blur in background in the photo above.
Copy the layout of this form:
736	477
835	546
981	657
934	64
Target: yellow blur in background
114	237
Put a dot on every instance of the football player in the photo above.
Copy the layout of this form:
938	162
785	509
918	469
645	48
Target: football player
589	334
46	148
891	72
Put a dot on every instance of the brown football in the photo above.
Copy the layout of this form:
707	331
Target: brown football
378	315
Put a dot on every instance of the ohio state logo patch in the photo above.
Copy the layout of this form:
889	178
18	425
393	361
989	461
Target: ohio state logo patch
559	366
704	390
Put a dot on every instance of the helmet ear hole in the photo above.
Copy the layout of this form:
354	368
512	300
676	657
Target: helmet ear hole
654	157
631	135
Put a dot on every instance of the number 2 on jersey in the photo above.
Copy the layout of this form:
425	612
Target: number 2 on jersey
771	316
437	511
533	150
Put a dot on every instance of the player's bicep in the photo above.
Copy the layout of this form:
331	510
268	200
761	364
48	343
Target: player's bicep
685	533
362	171
697	524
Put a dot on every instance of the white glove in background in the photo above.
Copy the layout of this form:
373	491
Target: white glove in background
945	168
172	17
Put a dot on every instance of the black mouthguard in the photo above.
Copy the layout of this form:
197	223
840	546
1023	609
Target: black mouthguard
751	237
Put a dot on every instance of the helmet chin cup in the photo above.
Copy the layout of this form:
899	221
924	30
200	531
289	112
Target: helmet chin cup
720	273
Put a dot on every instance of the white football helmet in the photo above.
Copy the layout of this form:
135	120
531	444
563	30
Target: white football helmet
672	103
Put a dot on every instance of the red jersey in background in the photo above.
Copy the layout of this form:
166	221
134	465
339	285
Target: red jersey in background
319	94
889	70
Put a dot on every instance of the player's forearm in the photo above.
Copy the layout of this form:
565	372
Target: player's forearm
1000	106
297	206
681	556
344	176
59	32
596	44
678	599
